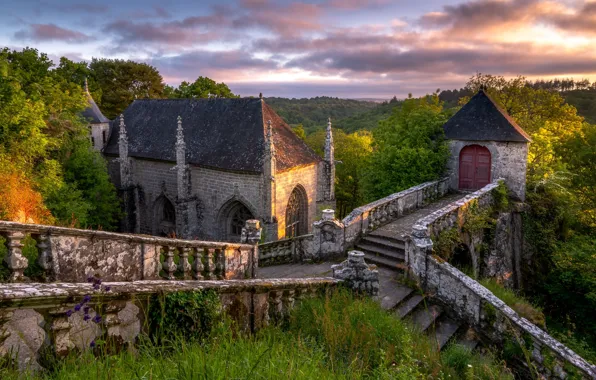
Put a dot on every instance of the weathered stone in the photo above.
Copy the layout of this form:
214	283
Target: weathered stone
25	336
357	274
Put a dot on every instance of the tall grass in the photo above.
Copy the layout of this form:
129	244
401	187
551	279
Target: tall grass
336	337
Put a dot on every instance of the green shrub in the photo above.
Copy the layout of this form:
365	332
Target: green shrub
521	306
446	243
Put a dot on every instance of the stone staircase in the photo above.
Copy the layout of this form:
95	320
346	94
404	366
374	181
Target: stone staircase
412	306
383	251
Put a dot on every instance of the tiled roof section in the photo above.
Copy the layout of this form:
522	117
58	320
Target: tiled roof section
481	119
92	113
291	150
219	133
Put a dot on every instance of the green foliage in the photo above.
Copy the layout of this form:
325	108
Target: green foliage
202	87
521	306
313	113
299	131
353	151
500	196
122	81
368	119
187	315
410	148
446	242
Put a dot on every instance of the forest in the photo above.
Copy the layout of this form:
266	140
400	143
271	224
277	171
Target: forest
49	174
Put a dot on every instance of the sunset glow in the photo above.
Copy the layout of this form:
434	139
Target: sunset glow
353	49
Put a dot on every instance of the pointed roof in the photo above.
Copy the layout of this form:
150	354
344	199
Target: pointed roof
92	113
481	119
220	133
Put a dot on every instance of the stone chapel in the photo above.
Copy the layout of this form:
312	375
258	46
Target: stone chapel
199	168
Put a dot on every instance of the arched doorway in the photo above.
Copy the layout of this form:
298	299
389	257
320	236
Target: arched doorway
474	167
232	220
165	217
296	213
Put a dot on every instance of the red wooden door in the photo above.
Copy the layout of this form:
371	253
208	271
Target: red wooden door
474	167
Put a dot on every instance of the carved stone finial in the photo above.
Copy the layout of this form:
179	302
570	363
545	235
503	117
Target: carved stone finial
86	86
179	132
261	95
122	127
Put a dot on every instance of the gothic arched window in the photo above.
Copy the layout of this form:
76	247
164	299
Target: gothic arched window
238	219
165	214
296	213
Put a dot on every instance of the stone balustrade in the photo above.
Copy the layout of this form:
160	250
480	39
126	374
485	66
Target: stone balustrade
72	255
475	304
285	251
369	217
35	315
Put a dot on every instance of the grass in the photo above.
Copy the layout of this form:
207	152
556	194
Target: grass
521	306
336	337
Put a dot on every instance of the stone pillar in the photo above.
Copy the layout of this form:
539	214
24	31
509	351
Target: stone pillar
251	234
183	178
358	275
329	237
269	171
330	161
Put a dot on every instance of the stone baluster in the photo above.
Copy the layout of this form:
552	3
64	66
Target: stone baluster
60	329
288	301
209	267
17	263
183	264
44	259
169	266
197	265
112	321
220	256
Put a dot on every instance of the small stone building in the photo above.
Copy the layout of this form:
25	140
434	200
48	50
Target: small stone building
199	168
486	144
99	125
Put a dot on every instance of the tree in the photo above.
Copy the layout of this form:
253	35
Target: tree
409	148
121	82
352	151
203	87
299	131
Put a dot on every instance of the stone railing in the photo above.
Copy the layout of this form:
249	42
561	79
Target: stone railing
35	315
286	250
72	255
474	303
369	217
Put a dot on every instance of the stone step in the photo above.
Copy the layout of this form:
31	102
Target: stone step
445	329
390	298
388	253
384	243
386	236
382	261
410	304
425	317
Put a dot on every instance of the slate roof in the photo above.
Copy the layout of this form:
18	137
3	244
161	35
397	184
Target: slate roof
219	133
92	113
481	119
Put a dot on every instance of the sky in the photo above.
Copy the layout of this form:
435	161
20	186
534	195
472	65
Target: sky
340	48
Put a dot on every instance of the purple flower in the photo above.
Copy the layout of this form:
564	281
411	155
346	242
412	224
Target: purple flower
86	317
77	307
92	344
96	286
68	313
90	279
86	299
97	318
86	310
107	288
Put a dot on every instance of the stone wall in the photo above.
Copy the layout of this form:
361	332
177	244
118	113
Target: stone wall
72	255
34	316
99	135
475	304
285	182
508	161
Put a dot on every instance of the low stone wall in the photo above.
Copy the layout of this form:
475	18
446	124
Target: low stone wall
369	217
475	304
286	251
36	316
72	255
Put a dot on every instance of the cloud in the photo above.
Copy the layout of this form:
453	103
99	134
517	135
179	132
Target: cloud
51	32
78	7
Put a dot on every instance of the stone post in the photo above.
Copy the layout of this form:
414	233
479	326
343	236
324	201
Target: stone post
329	237
269	171
358	275
330	161
183	178
251	234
